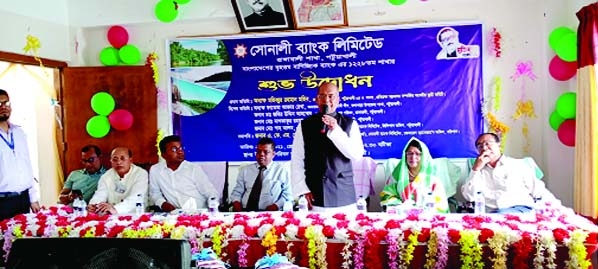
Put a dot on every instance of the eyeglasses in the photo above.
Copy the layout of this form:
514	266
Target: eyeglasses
5	103
89	160
481	144
176	149
411	154
331	96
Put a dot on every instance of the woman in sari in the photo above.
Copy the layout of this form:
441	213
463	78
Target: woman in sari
413	178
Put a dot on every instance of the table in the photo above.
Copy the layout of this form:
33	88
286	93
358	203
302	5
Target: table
371	240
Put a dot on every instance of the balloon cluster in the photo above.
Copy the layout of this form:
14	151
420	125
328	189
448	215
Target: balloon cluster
563	65
397	2
562	119
168	10
120	51
99	125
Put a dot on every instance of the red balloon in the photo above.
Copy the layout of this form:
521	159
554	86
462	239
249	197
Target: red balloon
118	36
121	119
561	70
566	132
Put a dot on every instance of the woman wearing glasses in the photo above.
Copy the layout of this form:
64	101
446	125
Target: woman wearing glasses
413	180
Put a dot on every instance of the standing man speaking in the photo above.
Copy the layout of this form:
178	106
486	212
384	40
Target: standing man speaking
323	147
18	192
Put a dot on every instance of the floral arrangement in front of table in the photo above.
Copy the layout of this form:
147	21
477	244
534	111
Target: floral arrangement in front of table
361	234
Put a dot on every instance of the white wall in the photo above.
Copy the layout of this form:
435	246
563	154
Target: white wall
524	25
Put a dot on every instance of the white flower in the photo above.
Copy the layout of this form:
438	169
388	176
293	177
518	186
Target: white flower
291	231
237	231
341	234
261	231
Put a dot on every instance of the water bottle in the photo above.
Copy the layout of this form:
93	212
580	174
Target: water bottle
287	206
77	207
303	207
429	203
362	205
139	205
213	206
82	208
539	206
480	203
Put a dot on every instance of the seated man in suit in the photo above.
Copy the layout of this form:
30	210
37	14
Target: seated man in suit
86	179
264	185
119	186
508	185
177	183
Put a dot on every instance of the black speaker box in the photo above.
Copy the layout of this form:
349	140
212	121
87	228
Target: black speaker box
99	253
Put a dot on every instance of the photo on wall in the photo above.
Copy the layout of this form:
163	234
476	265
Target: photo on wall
263	15
319	13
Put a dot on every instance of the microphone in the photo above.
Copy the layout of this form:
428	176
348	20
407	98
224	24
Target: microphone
325	111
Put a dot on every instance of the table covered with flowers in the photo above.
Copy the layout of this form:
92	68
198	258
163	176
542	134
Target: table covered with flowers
554	239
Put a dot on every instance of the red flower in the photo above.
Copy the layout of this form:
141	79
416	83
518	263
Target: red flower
454	236
328	231
250	231
288	215
424	235
340	216
513	217
592	239
301	232
392	224
280	229
117	229
342	224
485	234
295	222
560	235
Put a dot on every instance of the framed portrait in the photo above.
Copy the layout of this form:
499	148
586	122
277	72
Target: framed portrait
319	13
263	15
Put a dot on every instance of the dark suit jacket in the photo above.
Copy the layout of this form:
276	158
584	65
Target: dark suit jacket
267	17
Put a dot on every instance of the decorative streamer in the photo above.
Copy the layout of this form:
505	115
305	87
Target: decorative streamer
33	45
495	46
151	61
497	93
158	139
525	107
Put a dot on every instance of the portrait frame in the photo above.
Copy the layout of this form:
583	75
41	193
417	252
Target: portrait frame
331	14
278	18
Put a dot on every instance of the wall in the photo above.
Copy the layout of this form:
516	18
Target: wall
524	25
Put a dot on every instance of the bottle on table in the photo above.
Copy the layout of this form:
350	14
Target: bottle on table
303	206
213	205
479	203
429	203
139	204
362	205
287	206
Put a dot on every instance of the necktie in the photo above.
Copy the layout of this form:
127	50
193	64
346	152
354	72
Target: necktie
254	196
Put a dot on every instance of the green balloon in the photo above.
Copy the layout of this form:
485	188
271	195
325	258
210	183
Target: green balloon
182	2
166	11
129	54
397	2
556	35
566	106
98	126
555	120
566	47
109	56
102	103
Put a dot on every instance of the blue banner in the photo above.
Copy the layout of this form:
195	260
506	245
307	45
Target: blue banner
423	81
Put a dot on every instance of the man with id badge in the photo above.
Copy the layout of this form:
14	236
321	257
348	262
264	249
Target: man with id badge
118	187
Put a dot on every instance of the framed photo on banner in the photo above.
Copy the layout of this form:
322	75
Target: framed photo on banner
263	15
319	13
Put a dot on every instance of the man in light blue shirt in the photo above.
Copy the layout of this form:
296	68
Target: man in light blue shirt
271	192
86	179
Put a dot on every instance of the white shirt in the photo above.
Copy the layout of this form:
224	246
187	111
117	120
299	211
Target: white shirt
16	174
188	181
276	187
134	182
512	182
349	145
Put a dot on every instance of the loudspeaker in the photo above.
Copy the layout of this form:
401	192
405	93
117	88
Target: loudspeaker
99	253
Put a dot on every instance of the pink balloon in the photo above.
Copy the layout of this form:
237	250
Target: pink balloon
118	36
121	119
566	133
561	70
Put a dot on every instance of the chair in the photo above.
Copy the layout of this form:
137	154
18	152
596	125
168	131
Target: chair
364	175
218	174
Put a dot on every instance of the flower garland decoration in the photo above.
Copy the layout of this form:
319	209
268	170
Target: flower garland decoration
499	244
432	251
525	107
358	252
269	242
471	250
577	251
242	252
151	61
393	238
548	243
159	138
489	111
495	46
346	254
289	252
407	252
32	45
522	249
442	241
497	86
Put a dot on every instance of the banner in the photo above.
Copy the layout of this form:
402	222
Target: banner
422	81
